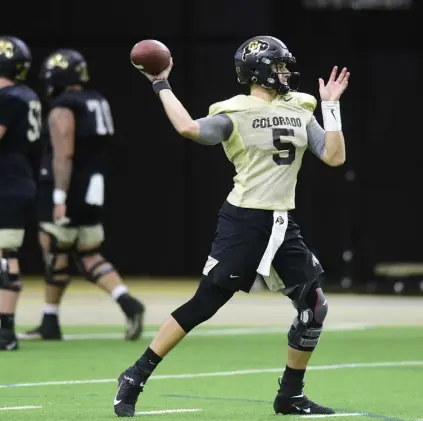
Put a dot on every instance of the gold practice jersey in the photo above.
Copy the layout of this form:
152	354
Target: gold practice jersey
266	146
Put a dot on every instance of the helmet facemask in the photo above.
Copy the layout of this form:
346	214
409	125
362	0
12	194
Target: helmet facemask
275	69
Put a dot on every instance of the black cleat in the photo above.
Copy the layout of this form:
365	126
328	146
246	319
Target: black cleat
130	387
135	326
8	340
49	330
298	405
134	311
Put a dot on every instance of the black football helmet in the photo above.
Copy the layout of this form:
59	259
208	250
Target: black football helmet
15	58
63	68
254	60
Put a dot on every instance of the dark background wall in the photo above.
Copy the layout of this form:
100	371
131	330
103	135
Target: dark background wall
164	192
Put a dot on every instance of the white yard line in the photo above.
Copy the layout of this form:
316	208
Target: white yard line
226	373
167	411
216	332
351	414
19	408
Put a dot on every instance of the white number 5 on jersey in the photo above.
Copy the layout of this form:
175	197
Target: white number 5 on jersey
103	116
34	120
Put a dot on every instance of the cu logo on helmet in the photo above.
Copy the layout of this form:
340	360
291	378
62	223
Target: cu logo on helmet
6	48
254	48
58	60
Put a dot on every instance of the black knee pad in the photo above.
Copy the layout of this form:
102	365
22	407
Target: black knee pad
9	281
58	277
93	274
15	282
312	308
10	254
208	299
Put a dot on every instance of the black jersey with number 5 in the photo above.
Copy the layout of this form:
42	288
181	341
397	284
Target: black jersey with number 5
20	114
93	131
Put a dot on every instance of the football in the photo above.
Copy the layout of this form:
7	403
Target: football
150	56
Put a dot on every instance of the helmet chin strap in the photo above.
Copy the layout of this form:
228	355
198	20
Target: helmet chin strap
283	88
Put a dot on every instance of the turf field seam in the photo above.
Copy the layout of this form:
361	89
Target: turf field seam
226	373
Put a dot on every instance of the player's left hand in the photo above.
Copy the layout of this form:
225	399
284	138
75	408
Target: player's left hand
59	214
335	87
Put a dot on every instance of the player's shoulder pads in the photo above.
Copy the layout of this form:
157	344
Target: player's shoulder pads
66	99
306	101
236	103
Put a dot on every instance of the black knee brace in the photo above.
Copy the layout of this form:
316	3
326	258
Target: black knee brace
93	274
10	254
312	308
208	299
52	276
9	281
55	276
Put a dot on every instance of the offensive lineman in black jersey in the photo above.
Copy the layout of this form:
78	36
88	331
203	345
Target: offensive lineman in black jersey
20	126
80	128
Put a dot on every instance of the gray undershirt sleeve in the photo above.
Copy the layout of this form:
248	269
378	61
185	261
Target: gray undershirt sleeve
215	129
316	138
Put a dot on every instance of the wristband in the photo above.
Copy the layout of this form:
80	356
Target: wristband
331	116
160	84
59	197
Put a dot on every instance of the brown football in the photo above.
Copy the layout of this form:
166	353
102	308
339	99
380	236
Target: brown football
150	56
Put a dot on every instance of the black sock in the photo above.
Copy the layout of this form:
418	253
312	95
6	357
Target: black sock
52	318
147	363
292	381
7	321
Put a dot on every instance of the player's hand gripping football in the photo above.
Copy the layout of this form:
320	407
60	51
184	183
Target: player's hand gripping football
335	87
162	75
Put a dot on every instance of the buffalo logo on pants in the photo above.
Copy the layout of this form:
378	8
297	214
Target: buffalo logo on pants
279	220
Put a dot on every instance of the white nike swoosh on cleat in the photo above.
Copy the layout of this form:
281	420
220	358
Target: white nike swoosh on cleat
117	402
306	410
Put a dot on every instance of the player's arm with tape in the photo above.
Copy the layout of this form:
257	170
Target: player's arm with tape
206	131
329	145
61	122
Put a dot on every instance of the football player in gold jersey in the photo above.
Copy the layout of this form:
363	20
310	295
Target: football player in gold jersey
264	135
